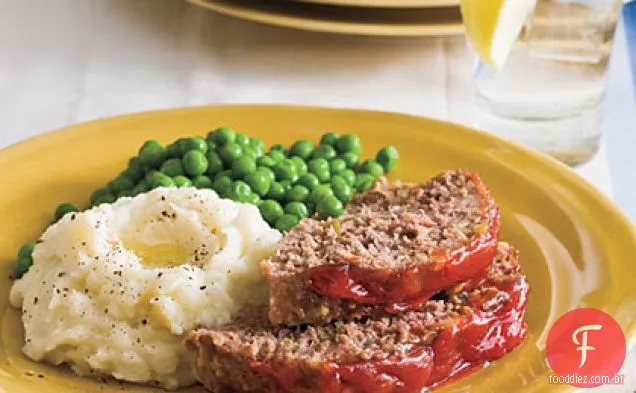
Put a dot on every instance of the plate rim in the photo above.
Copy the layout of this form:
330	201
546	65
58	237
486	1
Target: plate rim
385	3
243	12
76	129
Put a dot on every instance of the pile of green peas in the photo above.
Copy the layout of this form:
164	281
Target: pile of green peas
285	183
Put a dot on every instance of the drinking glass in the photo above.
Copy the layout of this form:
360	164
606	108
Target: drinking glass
549	93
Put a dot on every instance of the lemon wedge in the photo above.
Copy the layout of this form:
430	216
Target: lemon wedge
493	26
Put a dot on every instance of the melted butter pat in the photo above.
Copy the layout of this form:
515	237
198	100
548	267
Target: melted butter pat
160	255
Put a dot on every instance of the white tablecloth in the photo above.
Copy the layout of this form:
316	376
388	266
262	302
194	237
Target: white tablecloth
66	61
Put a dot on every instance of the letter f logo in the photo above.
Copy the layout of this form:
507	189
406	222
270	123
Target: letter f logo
583	344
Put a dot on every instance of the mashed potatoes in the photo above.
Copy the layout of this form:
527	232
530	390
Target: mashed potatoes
113	289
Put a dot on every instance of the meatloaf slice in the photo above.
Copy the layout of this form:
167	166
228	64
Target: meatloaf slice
394	247
397	354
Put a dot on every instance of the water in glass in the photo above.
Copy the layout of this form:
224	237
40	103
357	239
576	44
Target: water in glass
549	93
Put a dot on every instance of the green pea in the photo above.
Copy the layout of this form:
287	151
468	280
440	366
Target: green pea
172	150
348	176
195	163
285	171
286	222
271	210
140	188
276	155
324	151
224	136
276	191
341	189
240	191
259	182
120	183
337	165
388	157
266	161
212	145
64	209
309	180
249	152
302	149
223	186
243	167
26	251
229	153
287	185
22	266
172	167
196	143
107	198
211	137
371	167
215	164
311	208
257	145
329	207
351	159
125	193
349	143
329	138
152	154
253	199
297	209
364	181
202	181
301	166
297	193
151	176
225	173
321	192
242	140
279	146
162	181
98	194
135	170
267	172
182	181
320	168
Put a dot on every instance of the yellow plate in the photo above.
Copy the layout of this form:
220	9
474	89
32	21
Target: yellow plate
344	20
576	247
386	3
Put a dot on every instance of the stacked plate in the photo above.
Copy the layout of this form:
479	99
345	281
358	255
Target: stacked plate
397	18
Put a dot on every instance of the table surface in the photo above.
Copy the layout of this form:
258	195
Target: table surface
67	61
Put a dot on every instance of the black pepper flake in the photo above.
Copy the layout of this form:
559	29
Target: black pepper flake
163	198
39	241
165	214
40	375
73	217
61	274
83	243
159	274
106	311
35	300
